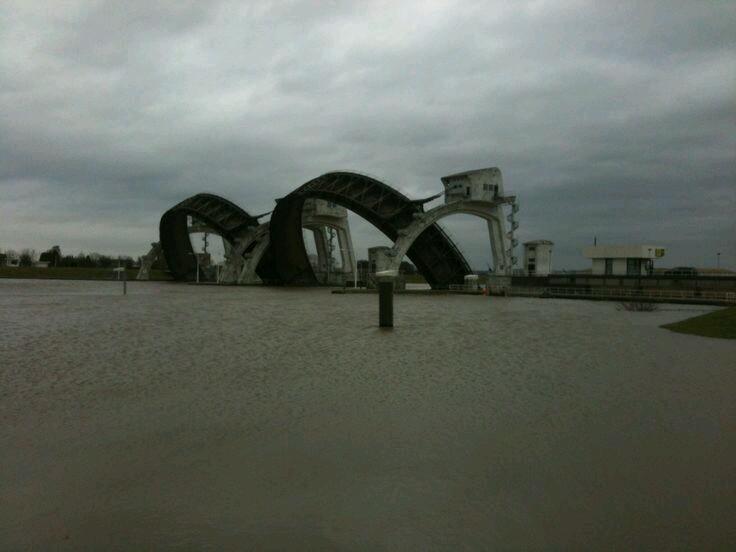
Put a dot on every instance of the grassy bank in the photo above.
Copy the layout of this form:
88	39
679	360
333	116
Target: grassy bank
73	273
720	323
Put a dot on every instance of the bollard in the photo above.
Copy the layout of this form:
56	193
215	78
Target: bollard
385	280
386	304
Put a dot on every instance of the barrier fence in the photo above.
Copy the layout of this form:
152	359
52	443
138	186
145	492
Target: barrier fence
623	293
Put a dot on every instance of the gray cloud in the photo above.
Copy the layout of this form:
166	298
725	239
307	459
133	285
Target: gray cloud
613	120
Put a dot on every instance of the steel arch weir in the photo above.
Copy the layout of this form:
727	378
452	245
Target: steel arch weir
433	252
220	214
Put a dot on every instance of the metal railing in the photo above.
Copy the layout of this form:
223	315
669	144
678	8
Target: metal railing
622	293
465	287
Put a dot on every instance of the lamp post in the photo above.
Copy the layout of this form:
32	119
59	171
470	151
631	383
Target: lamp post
120	270
718	260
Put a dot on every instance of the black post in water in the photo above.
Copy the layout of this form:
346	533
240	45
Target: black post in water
386	304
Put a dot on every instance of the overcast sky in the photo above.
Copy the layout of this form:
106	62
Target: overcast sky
612	119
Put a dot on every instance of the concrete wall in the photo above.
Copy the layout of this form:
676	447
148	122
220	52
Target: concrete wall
599	266
713	283
619	267
541	255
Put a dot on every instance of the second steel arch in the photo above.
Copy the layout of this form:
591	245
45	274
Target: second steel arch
433	252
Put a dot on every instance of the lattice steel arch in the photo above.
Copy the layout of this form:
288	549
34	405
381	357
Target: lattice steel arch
223	216
433	252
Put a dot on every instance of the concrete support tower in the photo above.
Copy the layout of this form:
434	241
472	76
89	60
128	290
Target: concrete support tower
246	250
480	193
325	220
147	261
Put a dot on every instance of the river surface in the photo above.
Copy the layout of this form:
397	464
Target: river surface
183	417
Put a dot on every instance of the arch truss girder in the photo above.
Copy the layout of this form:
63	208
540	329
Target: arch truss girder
491	211
215	213
434	254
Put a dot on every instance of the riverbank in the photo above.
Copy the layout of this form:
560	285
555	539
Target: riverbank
720	323
73	273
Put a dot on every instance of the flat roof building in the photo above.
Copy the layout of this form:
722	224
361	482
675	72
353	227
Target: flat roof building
538	257
623	260
477	185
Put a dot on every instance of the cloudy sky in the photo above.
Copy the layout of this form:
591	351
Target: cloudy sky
608	119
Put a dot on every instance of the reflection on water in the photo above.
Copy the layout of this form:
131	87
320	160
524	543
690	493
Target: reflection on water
232	418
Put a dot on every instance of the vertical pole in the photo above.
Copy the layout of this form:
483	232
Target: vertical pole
125	282
197	257
386	304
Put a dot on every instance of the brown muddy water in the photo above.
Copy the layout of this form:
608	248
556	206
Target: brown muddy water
182	417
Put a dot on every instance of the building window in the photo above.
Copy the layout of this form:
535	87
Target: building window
609	267
467	191
633	267
531	267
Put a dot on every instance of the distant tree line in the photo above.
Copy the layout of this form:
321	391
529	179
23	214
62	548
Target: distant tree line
54	257
95	260
26	257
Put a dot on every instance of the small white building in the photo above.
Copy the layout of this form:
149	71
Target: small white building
477	185
9	260
471	282
623	260
538	258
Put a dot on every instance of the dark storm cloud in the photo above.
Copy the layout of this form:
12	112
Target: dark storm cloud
608	119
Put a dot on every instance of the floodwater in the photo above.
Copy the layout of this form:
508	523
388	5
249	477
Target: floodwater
183	417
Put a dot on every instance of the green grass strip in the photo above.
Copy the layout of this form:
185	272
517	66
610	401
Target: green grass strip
720	323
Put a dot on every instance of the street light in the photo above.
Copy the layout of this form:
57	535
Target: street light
120	270
718	260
